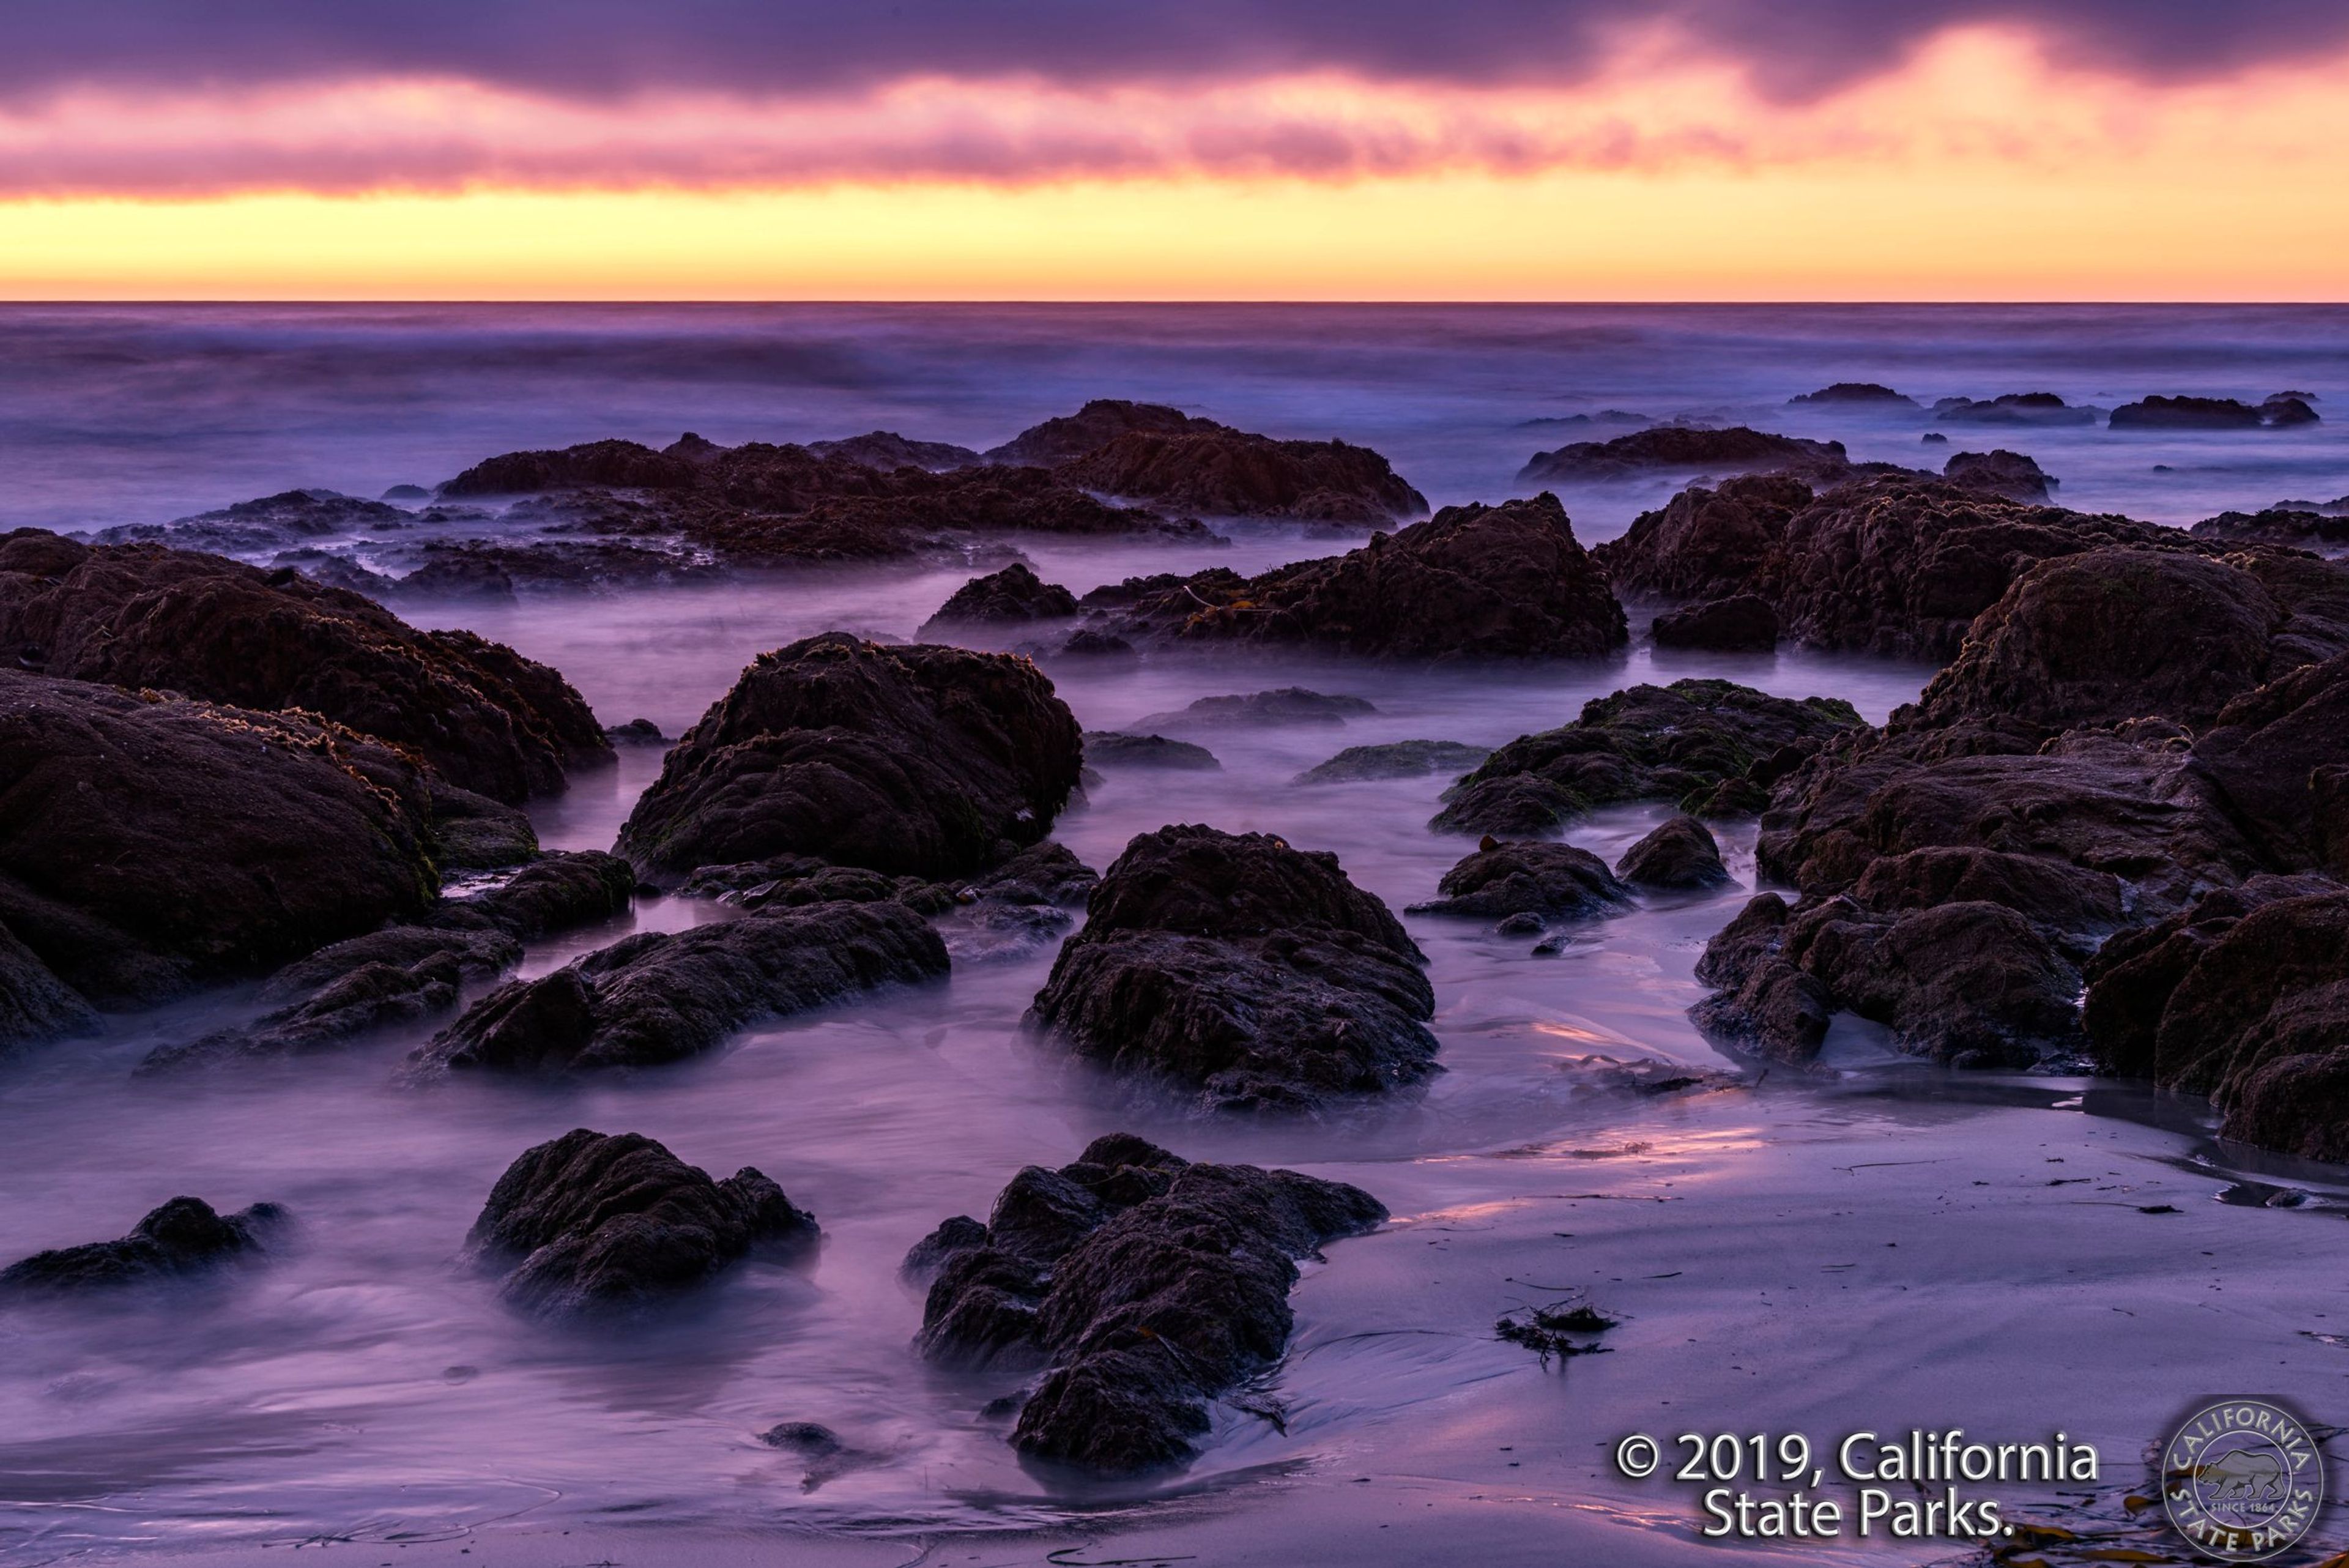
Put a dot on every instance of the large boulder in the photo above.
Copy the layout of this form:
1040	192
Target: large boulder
1242	973
2028	409
1093	427
2001	472
1146	1285
922	759
660	996
184	1237
1555	880
596	1223
1667	448
1713	747
2280	756
1232	473
1678	856
148	843
145	616
1012	596
2191	413
1471	582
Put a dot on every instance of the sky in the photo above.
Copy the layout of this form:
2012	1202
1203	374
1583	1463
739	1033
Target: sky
1548	150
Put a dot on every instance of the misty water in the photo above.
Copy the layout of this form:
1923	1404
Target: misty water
367	1387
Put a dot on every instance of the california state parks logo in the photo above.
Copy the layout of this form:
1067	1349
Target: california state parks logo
2241	1480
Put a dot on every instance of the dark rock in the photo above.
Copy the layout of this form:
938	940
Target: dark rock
1118	749
1043	874
183	1238
2280	756
1235	968
659	997
2281	410
2001	472
368	997
1086	642
1686	742
1666	448
1933	437
1679	853
1550	879
36	1006
556	892
2302	528
591	1222
1853	394
1471	582
888	450
493	571
2037	409
960	1234
139	616
1226	472
1098	423
1743	623
921	760
474	833
407	493
615	464
2185	414
1763	1003
148	844
1285	705
1013	596
1395	759
270	523
1165	1284
636	733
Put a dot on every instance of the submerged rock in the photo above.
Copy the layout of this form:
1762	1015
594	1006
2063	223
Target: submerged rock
1664	448
1013	596
1712	746
1242	972
1547	879
2212	414
1285	705
1146	1287
183	1238
474	833
591	1222
920	759
1119	749
2014	408
1742	623
1681	854
144	617
1853	395
1395	759
636	733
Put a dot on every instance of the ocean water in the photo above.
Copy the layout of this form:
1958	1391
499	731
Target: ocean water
367	1389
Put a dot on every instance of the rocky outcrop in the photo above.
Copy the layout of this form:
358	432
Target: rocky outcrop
2279	755
1679	448
1743	623
2280	411
2026	409
2001	472
1146	1287
1711	746
888	450
291	518
1552	881
36	1006
150	843
183	1239
1226	473
2298	527
1118	749
1243	973
1282	706
659	997
1093	427
920	760
597	1223
144	617
1012	596
1679	856
1854	395
1395	759
1473	582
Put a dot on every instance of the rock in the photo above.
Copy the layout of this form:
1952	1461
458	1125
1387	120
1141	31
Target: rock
2211	415
368	998
270	523
617	465
1242	972
888	450
556	892
1665	448
1894	566
2300	527
36	1006
2014	408
1394	759
474	833
1680	854
956	1235
1287	705
148	844
1765	1003
493	571
1695	743
407	493
2281	410
183	1238
1743	623
1933	437
141	615
1853	395
2001	472
1226	473
1043	874
1161	1285
1094	426
1549	879
636	733
594	1223
1085	642
921	760
1119	749
659	997
1473	582
1013	596
2279	755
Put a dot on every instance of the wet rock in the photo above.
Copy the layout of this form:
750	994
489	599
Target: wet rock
2028	409
1285	705
1119	749
184	1237
1681	854
1160	1286
594	1223
1242	972
920	759
1047	874
659	997
366	997
2001	472
1765	1005
1853	395
959	1234
407	493
1933	437
146	846
1225	473
1470	583
1694	742
474	833
888	450
556	892
636	733
1664	448
2281	410
1086	642
1013	596
1743	623
141	615
270	523
458	571
2211	415
2280	754
36	1006
615	464
1549	879
1094	426
2300	527
1395	759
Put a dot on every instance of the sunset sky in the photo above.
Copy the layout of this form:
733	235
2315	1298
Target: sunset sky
1174	148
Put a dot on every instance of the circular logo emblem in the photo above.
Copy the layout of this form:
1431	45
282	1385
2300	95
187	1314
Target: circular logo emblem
2241	1480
